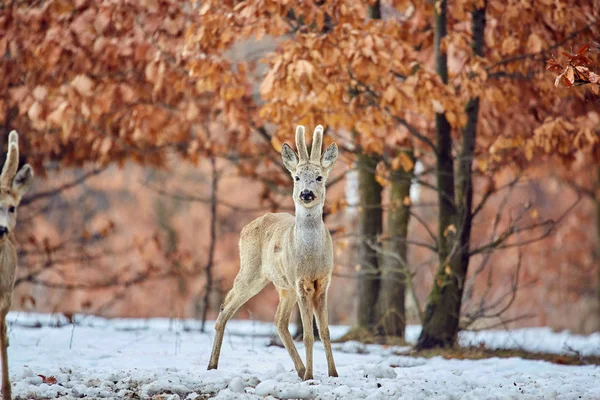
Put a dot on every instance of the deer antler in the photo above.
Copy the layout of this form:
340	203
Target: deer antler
9	170
301	144
315	152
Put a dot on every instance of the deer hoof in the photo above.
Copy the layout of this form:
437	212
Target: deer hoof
333	373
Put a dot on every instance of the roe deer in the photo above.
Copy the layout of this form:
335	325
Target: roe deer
13	186
295	253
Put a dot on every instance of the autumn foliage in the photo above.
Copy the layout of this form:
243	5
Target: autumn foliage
104	81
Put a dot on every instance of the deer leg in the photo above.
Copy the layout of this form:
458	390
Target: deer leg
6	389
243	289
306	291
287	300
323	324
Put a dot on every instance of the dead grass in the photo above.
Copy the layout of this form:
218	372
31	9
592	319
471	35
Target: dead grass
478	353
367	337
467	353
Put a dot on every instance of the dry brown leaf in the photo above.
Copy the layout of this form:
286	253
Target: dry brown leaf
83	85
570	74
534	43
276	143
49	380
534	213
449	229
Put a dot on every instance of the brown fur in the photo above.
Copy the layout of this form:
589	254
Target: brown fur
13	186
295	253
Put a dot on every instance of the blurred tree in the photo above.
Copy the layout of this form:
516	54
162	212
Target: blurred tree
370	227
395	272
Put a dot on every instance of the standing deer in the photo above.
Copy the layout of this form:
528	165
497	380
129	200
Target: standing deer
13	186
295	253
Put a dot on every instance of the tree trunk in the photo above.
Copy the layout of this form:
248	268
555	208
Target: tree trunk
394	268
375	10
370	227
208	287
455	218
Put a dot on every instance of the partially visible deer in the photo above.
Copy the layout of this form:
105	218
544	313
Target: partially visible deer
13	186
295	253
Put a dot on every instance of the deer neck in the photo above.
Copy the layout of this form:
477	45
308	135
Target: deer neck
308	228
8	253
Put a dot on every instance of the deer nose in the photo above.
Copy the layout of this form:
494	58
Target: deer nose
307	195
3	231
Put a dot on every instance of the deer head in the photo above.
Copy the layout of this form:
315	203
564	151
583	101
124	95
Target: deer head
13	185
309	174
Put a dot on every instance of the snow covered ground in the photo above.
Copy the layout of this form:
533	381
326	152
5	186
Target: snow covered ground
163	359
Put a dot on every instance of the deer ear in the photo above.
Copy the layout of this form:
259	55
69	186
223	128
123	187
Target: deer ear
289	158
329	157
22	181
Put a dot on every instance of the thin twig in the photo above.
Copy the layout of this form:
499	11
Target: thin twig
52	192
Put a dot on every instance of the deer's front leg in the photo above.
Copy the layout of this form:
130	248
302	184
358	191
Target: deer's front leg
306	291
287	300
323	324
6	389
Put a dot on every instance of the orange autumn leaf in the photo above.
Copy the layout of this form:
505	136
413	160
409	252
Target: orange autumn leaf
50	380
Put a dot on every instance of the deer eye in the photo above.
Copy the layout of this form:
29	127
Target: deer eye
297	178
11	209
319	178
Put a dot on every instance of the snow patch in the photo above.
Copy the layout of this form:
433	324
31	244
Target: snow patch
164	359
379	371
237	385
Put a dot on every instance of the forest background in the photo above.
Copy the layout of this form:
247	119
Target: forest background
466	196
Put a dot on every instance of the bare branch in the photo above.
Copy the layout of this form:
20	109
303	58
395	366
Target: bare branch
402	239
580	190
500	242
490	193
408	275
52	192
504	322
427	228
411	129
542	53
109	283
481	313
206	200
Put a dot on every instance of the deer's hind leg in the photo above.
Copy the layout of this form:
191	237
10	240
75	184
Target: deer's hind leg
287	300
6	389
247	284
